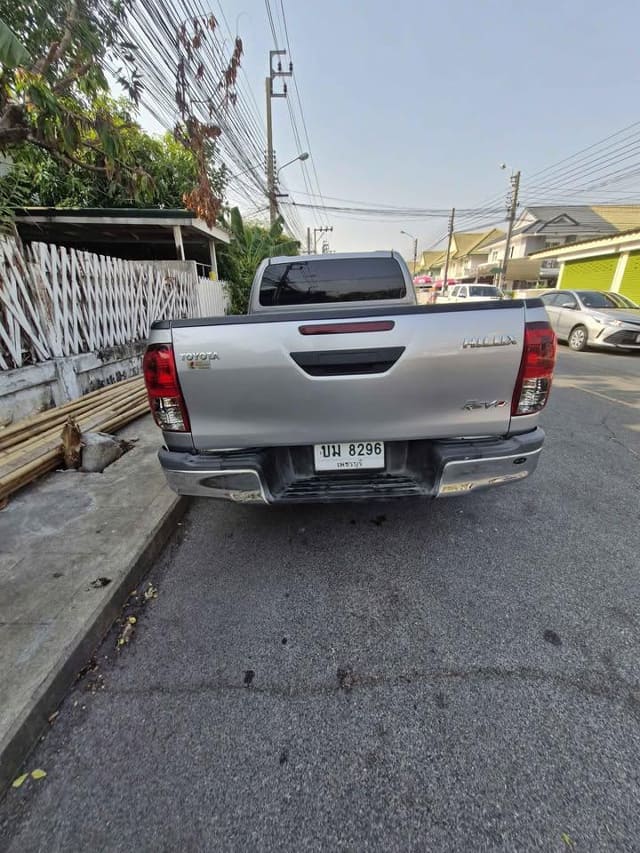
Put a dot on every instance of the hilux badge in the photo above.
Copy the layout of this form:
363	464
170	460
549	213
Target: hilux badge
489	341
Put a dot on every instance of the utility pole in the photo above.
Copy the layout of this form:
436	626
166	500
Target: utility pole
308	239
271	157
513	205
446	263
316	231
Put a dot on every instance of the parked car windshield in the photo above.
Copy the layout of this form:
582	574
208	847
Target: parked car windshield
334	280
599	299
484	290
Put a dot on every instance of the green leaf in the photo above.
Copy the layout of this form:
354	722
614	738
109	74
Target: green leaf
17	783
12	53
38	774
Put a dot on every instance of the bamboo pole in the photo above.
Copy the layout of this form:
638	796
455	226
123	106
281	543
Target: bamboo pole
16	433
34	446
54	431
87	422
50	458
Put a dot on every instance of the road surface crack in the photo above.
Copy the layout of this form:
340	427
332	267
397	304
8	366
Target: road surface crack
596	684
613	436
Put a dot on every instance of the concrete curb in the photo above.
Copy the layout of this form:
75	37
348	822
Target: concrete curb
22	738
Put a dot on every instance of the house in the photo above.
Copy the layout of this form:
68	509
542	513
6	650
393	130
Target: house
542	227
468	251
429	262
466	255
606	263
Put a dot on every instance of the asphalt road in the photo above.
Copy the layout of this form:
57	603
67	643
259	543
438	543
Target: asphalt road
455	675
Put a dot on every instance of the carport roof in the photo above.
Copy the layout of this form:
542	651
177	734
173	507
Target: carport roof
113	225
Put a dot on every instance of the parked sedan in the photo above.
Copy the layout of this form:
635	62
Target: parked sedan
594	318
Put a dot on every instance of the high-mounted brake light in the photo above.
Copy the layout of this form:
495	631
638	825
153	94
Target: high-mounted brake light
163	389
347	328
536	369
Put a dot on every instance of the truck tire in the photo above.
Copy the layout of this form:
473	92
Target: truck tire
578	339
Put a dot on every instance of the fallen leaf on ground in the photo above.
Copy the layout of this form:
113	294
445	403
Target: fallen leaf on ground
125	636
132	620
18	782
150	592
38	774
568	840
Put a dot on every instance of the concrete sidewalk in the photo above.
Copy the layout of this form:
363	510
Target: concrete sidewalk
57	537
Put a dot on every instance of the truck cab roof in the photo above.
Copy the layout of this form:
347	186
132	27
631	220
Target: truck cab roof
331	281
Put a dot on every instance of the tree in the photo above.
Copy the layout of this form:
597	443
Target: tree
168	172
250	244
54	89
53	82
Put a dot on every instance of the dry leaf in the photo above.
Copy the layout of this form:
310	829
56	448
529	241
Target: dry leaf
18	782
150	592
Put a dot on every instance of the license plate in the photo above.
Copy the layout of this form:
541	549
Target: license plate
349	456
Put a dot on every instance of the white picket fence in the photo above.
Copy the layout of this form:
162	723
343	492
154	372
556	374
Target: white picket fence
212	298
57	302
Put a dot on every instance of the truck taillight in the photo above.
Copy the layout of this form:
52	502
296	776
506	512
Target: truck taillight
163	389
536	369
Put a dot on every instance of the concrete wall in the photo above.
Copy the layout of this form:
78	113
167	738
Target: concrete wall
29	390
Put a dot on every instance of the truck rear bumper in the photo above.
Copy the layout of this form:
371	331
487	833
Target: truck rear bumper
414	468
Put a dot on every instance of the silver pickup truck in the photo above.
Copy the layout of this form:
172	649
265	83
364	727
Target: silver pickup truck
337	386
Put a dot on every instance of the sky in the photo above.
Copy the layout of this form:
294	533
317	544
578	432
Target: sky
417	103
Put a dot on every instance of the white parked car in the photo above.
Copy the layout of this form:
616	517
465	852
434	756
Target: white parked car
472	293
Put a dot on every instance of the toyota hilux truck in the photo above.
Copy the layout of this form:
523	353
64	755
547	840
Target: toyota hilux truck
337	386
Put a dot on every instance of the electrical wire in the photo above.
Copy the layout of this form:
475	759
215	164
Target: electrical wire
299	101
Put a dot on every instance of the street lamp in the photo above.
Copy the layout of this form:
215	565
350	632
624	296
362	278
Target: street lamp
274	195
415	249
302	157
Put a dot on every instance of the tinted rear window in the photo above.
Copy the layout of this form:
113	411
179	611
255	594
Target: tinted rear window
335	280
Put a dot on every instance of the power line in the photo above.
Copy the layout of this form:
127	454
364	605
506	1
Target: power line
273	29
299	99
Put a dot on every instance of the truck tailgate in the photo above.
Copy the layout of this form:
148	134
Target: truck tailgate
409	373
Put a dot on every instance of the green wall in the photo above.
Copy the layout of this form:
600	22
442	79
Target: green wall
592	274
630	285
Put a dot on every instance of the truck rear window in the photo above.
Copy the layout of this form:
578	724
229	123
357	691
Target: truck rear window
332	280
